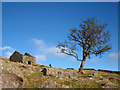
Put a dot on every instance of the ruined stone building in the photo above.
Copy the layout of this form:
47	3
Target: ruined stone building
26	58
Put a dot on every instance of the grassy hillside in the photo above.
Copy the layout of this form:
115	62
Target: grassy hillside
32	77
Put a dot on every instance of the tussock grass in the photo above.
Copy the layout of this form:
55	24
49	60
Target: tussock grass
33	77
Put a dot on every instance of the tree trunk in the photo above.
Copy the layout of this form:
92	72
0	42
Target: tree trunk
83	62
81	67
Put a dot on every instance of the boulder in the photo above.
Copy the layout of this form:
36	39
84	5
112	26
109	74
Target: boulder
54	72
61	73
70	74
10	80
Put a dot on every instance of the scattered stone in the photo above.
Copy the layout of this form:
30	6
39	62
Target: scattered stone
18	70
95	74
61	73
61	78
82	72
84	82
64	86
49	85
111	85
100	77
91	78
111	78
97	81
86	76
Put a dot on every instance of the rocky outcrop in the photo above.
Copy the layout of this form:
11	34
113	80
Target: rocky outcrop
17	75
60	73
10	80
49	85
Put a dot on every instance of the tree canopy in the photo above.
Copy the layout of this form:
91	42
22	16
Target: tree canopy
91	36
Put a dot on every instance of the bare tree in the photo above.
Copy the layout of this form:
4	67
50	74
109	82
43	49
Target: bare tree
91	37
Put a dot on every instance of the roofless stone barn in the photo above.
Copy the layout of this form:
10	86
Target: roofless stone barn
26	58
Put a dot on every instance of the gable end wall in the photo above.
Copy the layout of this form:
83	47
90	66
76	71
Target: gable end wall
28	58
16	57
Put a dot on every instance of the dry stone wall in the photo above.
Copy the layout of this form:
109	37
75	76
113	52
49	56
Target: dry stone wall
118	72
16	57
26	59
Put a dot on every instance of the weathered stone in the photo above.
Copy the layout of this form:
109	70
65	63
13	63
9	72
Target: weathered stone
61	73
49	85
111	78
10	80
26	58
97	81
64	86
54	72
91	78
86	76
61	78
95	74
101	78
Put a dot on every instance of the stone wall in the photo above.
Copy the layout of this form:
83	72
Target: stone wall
118	72
70	68
16	57
29	58
26	59
88	69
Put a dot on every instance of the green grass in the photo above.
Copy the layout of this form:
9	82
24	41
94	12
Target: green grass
36	79
33	80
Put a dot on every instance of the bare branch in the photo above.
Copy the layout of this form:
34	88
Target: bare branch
64	49
91	36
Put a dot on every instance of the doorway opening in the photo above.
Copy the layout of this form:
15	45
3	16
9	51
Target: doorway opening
29	62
